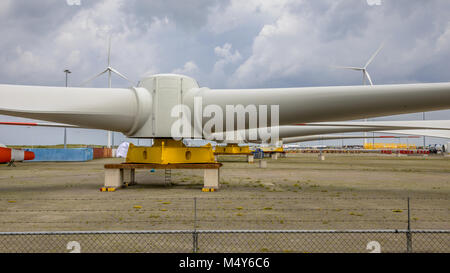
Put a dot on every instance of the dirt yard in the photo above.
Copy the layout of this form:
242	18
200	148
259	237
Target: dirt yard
298	192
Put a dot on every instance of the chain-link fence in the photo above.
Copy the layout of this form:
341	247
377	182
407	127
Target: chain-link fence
223	213
245	224
228	241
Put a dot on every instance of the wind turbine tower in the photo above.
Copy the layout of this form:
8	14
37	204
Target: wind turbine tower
109	69
365	74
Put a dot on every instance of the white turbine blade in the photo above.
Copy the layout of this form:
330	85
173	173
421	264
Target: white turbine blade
29	124
109	51
96	76
430	133
374	55
73	106
409	124
120	75
348	67
368	77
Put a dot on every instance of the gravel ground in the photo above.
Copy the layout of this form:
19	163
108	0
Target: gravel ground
299	192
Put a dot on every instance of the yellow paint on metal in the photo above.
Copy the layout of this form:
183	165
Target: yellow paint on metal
272	149
232	149
377	146
169	151
104	189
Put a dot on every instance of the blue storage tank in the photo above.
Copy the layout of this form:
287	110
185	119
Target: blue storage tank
77	154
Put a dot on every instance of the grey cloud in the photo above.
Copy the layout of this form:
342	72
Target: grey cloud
42	38
188	15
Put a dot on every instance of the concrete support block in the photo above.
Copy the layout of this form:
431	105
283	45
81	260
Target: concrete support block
321	157
263	164
250	158
129	176
275	156
113	178
211	178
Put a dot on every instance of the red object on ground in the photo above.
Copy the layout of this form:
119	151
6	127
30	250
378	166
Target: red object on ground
28	155
102	153
8	154
5	155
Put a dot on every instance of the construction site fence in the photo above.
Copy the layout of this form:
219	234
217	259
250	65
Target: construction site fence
228	241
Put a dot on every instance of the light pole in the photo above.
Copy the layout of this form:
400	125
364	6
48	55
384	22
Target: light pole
67	71
423	117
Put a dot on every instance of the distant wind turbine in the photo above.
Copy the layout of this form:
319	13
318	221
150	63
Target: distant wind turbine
365	74
364	68
110	70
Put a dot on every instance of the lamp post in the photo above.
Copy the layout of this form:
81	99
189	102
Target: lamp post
67	71
423	117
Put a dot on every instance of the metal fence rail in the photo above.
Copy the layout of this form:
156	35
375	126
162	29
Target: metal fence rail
225	241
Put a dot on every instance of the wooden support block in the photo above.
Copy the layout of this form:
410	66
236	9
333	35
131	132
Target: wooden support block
211	179
113	178
250	158
129	176
263	164
118	175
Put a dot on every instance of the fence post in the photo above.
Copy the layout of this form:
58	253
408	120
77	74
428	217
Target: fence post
194	234
408	233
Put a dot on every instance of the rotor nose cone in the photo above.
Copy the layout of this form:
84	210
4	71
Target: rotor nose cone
5	155
29	155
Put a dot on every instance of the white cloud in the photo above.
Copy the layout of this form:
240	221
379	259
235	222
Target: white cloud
253	43
5	7
298	48
227	61
276	51
374	2
239	13
189	69
226	55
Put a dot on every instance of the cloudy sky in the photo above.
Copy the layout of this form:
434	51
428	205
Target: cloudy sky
223	44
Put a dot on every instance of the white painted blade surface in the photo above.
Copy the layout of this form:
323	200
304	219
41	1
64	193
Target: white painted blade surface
412	124
315	104
96	108
429	133
330	137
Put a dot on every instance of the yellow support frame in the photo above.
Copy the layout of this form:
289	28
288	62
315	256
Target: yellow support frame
272	149
169	151
232	149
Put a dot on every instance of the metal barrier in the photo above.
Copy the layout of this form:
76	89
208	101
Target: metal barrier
226	241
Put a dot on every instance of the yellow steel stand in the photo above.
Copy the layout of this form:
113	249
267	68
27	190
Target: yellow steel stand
272	149
232	149
169	151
